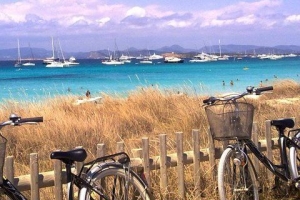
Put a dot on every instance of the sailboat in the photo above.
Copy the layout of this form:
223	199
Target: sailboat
28	63
113	60
18	62
50	59
220	57
58	63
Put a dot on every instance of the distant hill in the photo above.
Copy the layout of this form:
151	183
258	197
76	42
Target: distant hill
39	53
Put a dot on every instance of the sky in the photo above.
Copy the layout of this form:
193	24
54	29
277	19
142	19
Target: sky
90	25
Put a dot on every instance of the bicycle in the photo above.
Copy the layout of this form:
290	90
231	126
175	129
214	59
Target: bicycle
230	119
108	177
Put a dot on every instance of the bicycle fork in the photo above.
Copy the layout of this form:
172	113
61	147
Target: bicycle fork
240	161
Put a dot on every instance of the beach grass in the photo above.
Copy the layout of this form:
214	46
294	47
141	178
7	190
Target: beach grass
146	112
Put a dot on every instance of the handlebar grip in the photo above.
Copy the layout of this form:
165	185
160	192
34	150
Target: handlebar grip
205	101
210	100
32	119
263	89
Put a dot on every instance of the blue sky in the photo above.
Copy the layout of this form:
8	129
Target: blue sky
83	25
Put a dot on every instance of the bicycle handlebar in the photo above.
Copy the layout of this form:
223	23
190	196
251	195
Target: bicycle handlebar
16	120
263	89
249	90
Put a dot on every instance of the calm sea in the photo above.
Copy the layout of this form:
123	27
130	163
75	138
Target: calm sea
38	82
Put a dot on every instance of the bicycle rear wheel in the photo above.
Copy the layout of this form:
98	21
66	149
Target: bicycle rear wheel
111	182
236	180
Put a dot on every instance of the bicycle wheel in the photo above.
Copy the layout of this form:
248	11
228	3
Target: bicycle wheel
294	162
111	182
236	181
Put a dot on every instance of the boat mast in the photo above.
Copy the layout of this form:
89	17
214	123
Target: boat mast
19	52
220	47
52	48
62	54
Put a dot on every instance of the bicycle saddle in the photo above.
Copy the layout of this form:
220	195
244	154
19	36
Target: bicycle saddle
283	123
78	155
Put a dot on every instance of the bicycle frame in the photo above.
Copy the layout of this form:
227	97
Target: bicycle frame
282	170
10	188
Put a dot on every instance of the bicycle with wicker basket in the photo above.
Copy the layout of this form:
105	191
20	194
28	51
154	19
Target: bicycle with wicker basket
230	118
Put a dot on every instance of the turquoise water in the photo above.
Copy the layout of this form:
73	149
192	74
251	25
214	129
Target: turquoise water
34	83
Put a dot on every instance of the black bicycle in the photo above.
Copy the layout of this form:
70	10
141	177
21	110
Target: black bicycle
108	177
230	118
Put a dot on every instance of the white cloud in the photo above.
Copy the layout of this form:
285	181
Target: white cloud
293	18
242	13
249	19
178	24
79	17
103	21
136	12
4	17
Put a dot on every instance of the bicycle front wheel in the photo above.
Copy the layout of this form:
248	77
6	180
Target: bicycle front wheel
114	183
294	162
236	180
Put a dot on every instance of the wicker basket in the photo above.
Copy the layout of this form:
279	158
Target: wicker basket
2	156
230	121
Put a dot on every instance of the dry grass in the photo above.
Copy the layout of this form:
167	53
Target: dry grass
146	112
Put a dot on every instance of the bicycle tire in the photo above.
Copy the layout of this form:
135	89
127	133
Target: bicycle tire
294	163
236	181
109	179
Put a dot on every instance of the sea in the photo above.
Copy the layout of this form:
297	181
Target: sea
36	83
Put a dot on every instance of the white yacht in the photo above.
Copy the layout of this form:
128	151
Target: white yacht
71	61
155	57
202	57
56	64
172	59
112	61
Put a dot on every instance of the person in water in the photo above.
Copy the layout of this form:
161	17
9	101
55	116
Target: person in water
88	94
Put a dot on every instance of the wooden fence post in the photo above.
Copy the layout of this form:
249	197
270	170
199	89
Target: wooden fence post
180	164
212	154
146	160
269	148
100	150
196	154
255	140
9	168
34	171
58	190
163	164
120	146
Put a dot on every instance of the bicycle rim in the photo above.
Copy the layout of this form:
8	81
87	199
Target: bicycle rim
236	181
294	162
111	182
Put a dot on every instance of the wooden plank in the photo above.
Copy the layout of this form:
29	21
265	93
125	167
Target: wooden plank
146	160
9	168
34	181
212	154
58	189
163	164
120	147
100	150
255	140
180	164
269	149
196	162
